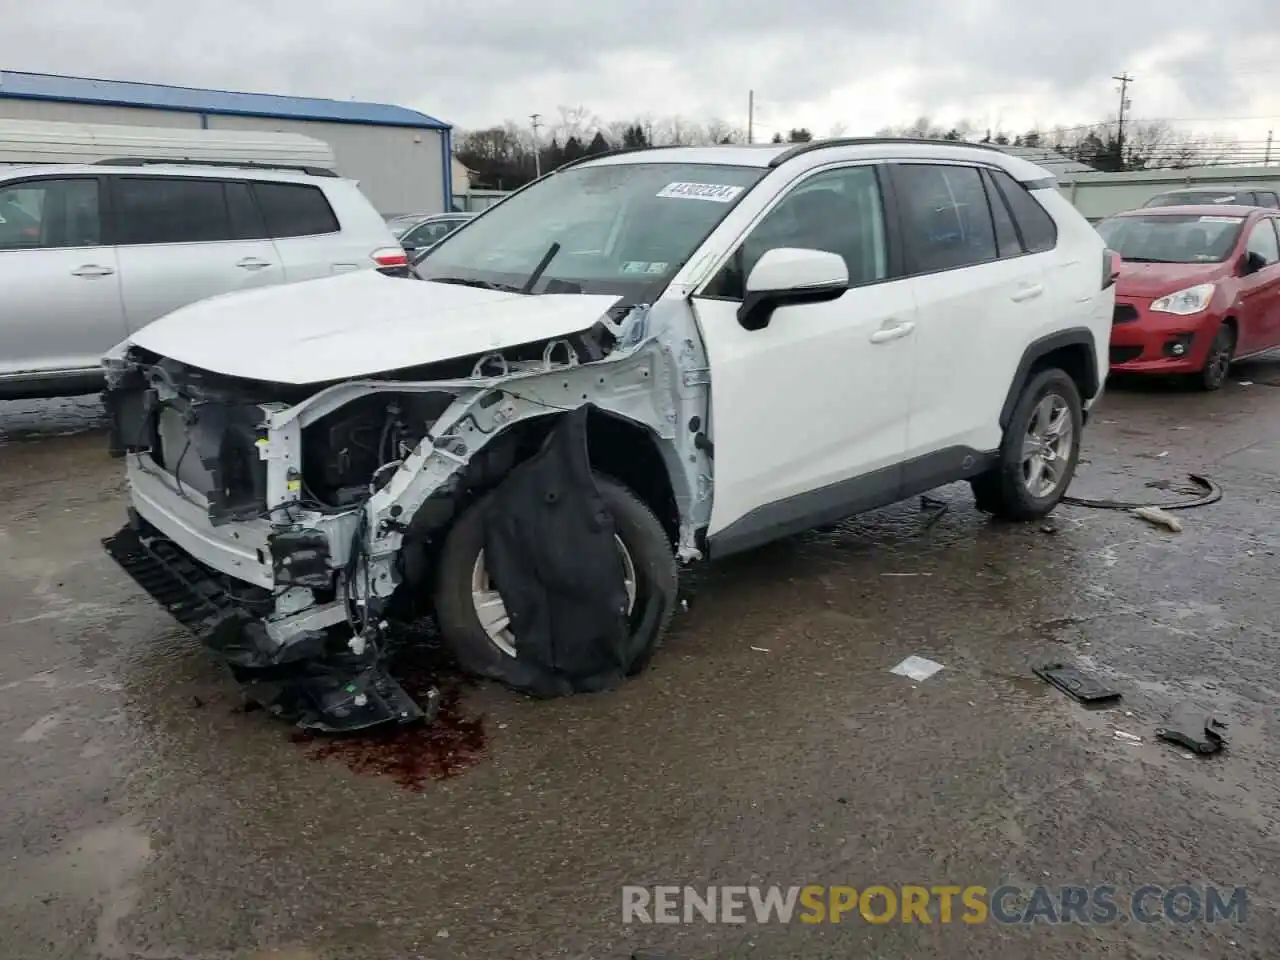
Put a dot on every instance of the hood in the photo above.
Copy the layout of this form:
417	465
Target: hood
358	324
1152	280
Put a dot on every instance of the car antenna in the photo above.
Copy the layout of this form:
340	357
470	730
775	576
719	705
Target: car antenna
541	267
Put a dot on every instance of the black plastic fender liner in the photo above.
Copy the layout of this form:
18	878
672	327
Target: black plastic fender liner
316	683
1037	350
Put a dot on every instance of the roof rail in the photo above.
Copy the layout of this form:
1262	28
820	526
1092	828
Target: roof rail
231	164
611	153
802	148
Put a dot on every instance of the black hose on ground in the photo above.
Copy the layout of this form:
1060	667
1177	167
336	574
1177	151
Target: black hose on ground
1212	494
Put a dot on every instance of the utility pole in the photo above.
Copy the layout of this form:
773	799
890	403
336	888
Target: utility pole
1125	80
751	116
535	121
1267	162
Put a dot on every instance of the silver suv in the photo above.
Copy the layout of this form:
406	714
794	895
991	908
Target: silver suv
90	254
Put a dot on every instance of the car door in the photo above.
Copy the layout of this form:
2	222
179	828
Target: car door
981	296
1259	296
809	413
60	307
306	231
185	239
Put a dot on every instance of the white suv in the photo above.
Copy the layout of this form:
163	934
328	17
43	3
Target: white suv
654	356
90	254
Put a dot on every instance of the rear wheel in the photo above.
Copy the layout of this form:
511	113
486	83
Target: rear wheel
1214	373
1039	452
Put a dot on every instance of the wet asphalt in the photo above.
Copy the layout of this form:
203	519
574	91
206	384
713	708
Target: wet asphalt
146	815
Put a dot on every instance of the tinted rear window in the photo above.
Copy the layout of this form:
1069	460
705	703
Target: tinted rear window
1199	196
295	209
160	210
1036	228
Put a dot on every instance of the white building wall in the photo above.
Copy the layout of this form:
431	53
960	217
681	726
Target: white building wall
400	169
16	109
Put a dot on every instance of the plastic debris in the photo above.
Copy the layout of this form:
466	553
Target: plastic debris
917	668
1194	728
760	649
1158	518
1127	737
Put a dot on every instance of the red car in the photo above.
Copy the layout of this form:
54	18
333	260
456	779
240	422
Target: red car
1199	287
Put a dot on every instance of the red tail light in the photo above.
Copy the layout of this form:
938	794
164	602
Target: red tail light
390	257
1110	268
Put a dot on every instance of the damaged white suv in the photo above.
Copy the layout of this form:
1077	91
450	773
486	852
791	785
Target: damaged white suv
639	360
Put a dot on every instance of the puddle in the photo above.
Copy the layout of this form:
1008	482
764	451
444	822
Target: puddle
411	756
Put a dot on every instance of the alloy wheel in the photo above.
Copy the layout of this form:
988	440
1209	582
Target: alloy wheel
1047	446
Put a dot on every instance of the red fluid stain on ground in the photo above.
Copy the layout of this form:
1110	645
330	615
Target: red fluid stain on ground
414	755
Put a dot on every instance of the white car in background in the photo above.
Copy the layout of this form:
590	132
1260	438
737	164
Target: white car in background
724	345
92	253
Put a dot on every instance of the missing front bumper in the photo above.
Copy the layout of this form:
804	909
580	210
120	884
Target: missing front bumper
315	682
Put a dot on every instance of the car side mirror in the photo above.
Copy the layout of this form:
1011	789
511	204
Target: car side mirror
1251	263
789	276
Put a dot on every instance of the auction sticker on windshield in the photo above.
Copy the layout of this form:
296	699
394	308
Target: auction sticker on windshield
715	192
1221	219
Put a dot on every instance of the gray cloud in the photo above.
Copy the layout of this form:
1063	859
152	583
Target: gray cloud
480	61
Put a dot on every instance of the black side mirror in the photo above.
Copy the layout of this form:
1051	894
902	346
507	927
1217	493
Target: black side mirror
1251	263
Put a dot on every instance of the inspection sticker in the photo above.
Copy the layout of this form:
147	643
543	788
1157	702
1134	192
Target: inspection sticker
715	192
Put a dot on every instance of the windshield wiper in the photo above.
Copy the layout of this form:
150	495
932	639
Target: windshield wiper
541	268
482	284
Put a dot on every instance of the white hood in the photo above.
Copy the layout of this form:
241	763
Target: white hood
358	324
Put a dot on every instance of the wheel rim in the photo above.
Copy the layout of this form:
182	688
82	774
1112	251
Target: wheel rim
1220	360
1047	446
491	609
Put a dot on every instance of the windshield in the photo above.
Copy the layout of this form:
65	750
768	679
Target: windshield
1193	197
1170	238
614	229
401	225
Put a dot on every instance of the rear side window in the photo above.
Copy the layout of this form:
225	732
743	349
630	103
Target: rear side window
40	214
1008	243
1267	199
160	210
1036	228
946	222
295	209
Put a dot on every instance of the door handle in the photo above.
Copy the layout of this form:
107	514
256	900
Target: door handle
1028	292
892	330
252	263
92	270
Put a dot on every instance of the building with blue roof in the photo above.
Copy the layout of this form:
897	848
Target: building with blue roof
403	158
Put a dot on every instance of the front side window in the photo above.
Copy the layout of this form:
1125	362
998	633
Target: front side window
1267	199
946	222
1262	241
837	211
40	214
1172	238
615	229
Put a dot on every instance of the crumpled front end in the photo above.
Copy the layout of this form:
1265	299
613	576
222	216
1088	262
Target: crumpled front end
285	524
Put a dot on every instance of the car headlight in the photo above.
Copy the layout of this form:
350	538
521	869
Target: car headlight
1184	302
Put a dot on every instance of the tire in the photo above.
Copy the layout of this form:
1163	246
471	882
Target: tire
1007	491
1214	373
642	536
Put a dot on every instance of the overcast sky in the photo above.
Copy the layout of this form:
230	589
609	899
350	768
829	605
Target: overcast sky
858	63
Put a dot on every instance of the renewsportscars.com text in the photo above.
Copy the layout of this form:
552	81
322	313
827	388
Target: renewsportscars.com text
947	903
